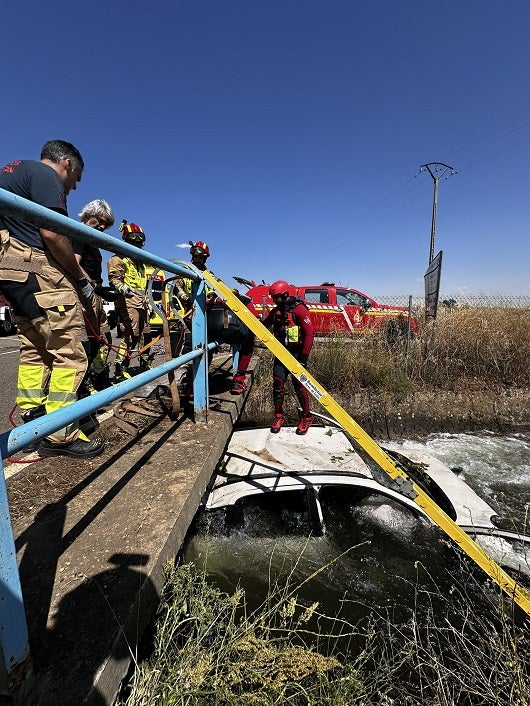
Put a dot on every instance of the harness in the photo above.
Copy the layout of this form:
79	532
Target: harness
286	326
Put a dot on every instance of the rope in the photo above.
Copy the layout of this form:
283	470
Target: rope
11	459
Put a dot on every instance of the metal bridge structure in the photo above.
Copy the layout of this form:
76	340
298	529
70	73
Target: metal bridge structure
14	643
13	625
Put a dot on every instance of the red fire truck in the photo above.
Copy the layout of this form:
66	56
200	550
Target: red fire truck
333	308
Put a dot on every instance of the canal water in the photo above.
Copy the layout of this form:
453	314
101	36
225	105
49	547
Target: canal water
375	556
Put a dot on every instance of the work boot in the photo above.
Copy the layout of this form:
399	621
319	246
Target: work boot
239	385
75	449
144	364
87	387
28	416
121	373
277	423
304	424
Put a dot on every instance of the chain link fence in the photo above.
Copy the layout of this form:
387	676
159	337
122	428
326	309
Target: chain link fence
461	301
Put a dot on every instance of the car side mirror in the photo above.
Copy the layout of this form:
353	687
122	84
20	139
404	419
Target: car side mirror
366	304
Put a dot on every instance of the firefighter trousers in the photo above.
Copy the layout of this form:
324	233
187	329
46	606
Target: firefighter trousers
51	329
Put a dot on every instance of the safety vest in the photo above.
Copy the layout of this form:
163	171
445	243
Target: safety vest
187	285
135	276
286	328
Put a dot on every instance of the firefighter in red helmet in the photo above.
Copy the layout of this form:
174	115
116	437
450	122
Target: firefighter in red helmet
292	326
199	252
234	332
128	276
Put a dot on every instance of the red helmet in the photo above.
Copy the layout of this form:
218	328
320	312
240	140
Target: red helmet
199	248
132	233
279	287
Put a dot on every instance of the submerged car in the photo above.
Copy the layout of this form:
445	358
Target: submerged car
257	463
333	309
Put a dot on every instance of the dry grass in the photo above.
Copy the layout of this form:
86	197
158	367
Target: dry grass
464	349
208	651
480	346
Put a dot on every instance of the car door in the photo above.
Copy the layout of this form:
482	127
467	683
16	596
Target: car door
354	305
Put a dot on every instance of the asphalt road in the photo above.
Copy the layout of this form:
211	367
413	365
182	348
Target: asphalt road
9	349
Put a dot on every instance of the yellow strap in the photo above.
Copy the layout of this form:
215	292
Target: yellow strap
517	593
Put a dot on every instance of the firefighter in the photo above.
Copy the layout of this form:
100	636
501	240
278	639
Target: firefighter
47	288
235	333
96	214
246	349
291	325
199	252
128	277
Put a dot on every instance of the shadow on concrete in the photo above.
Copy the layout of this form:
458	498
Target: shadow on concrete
73	650
78	653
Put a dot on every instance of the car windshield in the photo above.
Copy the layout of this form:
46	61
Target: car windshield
345	297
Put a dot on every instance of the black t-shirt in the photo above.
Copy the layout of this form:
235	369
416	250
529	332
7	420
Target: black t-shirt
36	182
90	260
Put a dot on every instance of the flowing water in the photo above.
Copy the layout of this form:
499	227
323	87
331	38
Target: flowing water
375	555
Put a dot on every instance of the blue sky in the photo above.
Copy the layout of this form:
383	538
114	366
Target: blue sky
289	134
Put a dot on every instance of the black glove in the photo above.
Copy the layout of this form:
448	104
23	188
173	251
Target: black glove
86	292
303	358
107	293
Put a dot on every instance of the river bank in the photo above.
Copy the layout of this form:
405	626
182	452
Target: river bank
420	413
440	411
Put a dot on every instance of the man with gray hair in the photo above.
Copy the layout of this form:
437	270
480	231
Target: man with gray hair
47	288
98	215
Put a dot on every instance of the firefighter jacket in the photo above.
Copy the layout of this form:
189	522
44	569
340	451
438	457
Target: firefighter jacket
291	325
126	272
186	285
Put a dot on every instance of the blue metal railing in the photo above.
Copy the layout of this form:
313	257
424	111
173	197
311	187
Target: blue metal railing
13	626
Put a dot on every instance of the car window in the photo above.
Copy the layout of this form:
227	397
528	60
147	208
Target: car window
320	296
345	297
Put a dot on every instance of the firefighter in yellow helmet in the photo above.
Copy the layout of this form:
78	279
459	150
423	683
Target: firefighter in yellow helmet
128	277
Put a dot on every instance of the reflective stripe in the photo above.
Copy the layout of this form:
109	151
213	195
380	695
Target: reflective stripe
60	399
30	392
62	394
121	353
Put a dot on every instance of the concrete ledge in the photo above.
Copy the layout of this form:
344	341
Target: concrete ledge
92	552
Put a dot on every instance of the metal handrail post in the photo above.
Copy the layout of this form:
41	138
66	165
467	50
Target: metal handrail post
199	343
14	639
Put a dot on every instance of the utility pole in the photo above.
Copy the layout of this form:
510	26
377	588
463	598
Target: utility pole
437	170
